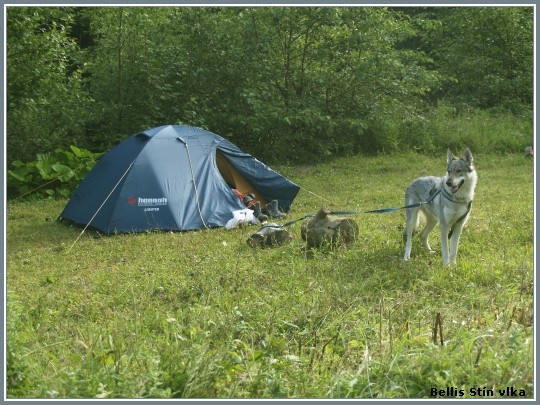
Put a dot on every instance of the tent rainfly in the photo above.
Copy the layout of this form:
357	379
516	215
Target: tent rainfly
174	178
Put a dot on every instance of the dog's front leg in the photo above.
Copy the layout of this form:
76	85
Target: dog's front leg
444	244
454	241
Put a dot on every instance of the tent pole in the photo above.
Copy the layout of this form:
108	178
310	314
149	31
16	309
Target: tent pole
195	185
101	206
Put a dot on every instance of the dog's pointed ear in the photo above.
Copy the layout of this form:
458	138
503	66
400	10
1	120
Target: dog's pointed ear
450	156
467	156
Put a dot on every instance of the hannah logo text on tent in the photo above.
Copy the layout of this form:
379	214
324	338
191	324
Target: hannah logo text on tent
147	202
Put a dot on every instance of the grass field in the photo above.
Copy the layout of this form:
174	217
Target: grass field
202	315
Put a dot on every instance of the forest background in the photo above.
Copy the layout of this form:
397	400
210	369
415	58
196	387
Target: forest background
289	85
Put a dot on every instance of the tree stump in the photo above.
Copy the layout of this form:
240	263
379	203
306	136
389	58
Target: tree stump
325	229
269	235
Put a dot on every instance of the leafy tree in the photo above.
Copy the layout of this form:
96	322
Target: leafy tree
45	101
301	82
285	83
125	70
487	51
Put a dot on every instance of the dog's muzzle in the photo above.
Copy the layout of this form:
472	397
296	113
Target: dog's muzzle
454	188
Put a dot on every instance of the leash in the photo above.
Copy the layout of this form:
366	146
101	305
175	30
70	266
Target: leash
378	211
385	210
276	226
432	196
461	218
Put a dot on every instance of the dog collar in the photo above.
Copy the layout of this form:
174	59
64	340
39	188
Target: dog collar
450	197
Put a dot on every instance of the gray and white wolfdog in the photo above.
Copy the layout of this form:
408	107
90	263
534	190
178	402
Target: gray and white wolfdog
445	200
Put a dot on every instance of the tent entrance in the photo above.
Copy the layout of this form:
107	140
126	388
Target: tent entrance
234	179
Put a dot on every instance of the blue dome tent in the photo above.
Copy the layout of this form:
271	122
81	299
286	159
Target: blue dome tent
174	178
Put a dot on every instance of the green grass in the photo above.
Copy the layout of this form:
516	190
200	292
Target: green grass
202	315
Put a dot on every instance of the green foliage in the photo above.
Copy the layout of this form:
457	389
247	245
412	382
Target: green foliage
333	79
487	52
202	315
288	84
133	72
51	175
46	104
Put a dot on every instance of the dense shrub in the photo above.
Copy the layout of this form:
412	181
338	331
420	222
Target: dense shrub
51	175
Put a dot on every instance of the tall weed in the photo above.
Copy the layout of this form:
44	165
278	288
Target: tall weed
480	130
